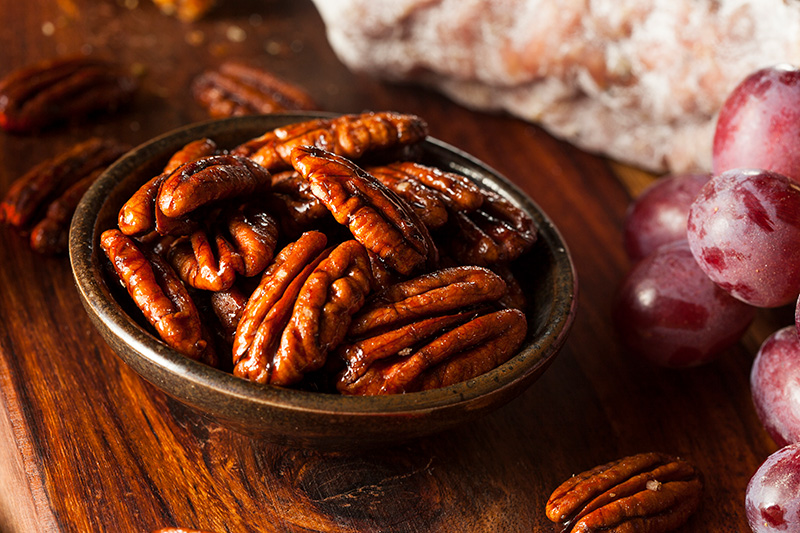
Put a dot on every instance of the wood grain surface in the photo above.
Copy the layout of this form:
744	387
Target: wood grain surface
86	445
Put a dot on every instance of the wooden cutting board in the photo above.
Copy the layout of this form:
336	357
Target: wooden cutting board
86	445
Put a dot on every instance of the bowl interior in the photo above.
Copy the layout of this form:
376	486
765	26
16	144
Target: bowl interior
300	417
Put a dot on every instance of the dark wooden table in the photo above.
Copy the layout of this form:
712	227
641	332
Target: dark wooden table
89	446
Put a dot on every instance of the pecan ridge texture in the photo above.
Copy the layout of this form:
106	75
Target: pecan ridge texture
647	493
377	217
351	136
61	89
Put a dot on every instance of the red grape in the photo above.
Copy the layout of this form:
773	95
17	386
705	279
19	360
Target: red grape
668	311
775	385
772	500
797	315
759	124
659	214
744	231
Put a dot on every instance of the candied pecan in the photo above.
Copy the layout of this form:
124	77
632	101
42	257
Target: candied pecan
228	306
432	353
515	298
210	179
293	204
269	307
351	136
430	331
438	292
238	89
138	215
241	241
648	492
459	192
160	295
300	310
53	91
50	178
376	217
426	203
49	235
335	290
497	232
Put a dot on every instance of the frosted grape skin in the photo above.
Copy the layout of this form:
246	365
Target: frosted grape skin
772	497
659	214
668	311
744	232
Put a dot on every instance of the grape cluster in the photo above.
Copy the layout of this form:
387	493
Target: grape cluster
708	250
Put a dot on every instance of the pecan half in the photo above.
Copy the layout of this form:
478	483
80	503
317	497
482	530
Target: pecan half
49	179
459	192
429	332
49	235
649	492
300	309
269	307
497	232
138	215
210	179
351	136
376	217
238	89
240	241
159	294
53	91
294	205
426	203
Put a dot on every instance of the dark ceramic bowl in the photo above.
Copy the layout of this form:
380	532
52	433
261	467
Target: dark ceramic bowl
318	420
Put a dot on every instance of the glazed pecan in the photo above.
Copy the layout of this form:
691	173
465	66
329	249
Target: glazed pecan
49	235
240	241
429	332
497	232
159	294
228	306
57	90
648	493
238	89
351	136
294	205
210	179
458	192
51	178
426	203
138	215
300	310
376	217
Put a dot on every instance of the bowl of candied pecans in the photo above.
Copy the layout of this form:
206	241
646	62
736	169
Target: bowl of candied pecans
329	281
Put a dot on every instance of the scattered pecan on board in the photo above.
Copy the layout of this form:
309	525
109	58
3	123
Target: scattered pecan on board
44	199
351	136
60	90
236	89
647	493
428	332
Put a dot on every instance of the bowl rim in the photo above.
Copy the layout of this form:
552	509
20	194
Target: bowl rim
83	244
